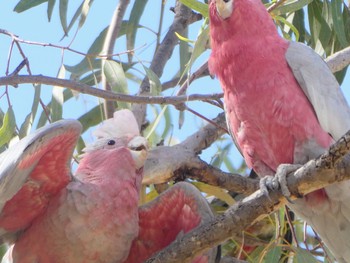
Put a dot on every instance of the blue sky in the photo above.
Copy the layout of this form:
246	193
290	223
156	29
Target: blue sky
33	25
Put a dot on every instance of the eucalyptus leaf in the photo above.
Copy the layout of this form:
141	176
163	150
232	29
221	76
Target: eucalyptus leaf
132	25
197	6
154	82
24	5
57	98
63	8
8	128
50	6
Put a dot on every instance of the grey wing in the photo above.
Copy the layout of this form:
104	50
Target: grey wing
321	88
33	170
330	219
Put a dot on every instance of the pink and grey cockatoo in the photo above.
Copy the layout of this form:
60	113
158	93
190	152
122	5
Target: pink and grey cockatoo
52	216
283	106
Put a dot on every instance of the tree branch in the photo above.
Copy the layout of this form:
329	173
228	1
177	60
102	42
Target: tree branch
86	89
331	167
339	60
183	17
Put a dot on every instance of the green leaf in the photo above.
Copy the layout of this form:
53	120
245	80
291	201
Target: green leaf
92	79
89	119
50	6
197	6
290	7
24	5
89	63
336	8
303	256
274	254
320	30
185	56
81	13
156	122
132	26
84	12
154	82
8	128
57	98
63	6
215	191
168	122
67	94
290	26
28	122
200	46
299	23
116	78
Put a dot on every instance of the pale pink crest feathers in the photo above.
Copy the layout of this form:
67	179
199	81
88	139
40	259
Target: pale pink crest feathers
122	124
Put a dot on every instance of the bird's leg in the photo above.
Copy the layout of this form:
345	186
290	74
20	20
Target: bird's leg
279	180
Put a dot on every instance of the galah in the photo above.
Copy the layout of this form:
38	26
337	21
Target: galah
283	106
49	215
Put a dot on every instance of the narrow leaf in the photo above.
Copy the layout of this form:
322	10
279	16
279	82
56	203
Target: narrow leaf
197	6
57	98
28	122
336	8
303	256
215	191
63	15
50	6
156	122
274	254
84	12
8	128
116	78
320	30
290	7
154	82
24	5
131	29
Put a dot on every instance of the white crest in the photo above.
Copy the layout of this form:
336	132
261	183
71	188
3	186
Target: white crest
122	124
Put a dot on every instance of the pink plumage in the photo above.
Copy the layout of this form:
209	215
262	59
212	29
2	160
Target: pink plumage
93	216
277	108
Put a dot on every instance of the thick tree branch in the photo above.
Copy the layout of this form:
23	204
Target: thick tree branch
83	88
331	167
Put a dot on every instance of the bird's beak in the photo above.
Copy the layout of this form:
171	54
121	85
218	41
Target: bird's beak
139	148
224	8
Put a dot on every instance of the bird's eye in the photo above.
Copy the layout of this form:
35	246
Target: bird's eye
226	1
111	142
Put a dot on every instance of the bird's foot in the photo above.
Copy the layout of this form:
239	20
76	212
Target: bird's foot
279	180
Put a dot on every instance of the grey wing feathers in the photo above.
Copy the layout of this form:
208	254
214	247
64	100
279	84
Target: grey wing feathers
321	88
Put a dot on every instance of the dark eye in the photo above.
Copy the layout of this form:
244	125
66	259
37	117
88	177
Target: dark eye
111	142
226	1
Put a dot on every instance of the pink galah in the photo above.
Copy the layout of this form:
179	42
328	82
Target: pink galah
52	216
283	106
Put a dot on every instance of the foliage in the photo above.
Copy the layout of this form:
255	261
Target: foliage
323	25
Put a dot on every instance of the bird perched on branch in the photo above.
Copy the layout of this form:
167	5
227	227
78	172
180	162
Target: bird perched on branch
283	106
49	215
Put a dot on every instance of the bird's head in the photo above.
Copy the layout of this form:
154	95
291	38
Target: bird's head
119	147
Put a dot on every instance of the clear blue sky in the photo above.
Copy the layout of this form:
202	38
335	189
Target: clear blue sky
33	25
